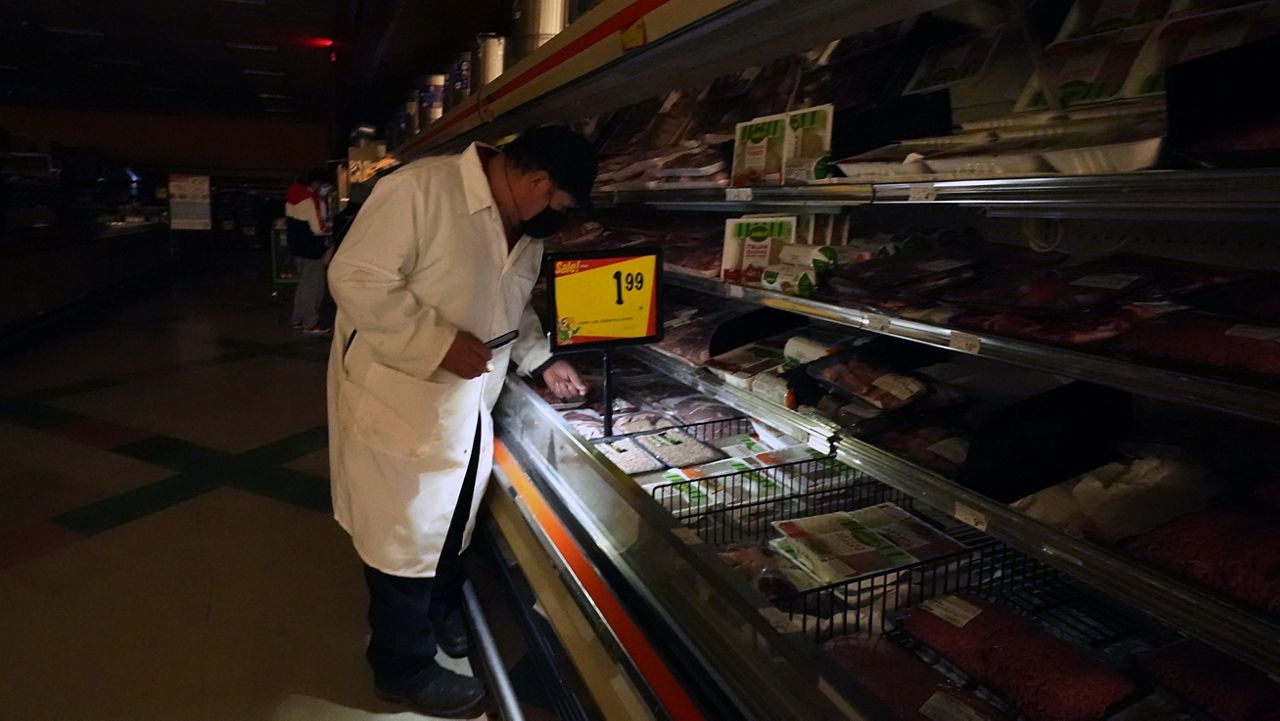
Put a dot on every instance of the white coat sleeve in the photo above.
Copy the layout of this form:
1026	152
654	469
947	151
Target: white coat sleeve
531	348
368	278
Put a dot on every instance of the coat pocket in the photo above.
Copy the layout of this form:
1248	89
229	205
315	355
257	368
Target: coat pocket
398	414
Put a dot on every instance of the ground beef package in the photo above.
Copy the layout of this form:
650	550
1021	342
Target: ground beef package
678	449
1220	685
1046	678
908	688
1206	340
1235	552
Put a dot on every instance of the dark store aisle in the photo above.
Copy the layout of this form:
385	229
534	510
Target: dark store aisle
166	548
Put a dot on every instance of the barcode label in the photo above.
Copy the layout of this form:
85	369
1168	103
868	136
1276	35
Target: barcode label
738	195
922	193
970	517
878	323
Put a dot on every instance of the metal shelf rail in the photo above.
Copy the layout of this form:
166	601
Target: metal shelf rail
1224	624
1156	195
1206	393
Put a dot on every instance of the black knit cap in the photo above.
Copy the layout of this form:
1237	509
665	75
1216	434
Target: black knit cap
565	155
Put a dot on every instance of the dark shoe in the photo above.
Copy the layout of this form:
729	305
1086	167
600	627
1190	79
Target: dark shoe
452	636
445	694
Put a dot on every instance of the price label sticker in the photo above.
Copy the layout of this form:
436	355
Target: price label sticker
738	195
965	342
970	517
737	291
878	323
604	298
922	193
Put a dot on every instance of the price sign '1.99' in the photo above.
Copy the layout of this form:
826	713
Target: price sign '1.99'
604	298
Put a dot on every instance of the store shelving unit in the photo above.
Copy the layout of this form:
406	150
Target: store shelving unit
1207	393
1248	195
1230	627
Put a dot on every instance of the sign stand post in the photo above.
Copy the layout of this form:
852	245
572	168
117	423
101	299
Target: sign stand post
606	391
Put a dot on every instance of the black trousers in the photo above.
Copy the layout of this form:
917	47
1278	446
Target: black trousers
402	611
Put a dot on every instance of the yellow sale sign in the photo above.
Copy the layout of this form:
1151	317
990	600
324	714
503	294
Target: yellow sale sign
601	299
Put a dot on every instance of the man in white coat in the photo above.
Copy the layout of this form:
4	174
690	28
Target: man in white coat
438	264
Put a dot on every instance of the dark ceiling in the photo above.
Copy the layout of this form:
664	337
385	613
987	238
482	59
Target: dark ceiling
233	57
211	57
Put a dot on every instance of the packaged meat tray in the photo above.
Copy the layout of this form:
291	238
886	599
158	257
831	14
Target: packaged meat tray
1206	341
906	531
1233	552
1123	499
896	270
641	422
1059	289
939	449
739	366
1223	687
835	547
1044	677
629	456
771	573
847	374
691	409
1088	70
1181	41
678	449
908	688
1083	328
807	470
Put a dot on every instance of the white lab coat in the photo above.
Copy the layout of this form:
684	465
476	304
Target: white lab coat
426	257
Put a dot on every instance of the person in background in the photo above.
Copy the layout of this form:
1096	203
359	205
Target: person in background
431	280
308	230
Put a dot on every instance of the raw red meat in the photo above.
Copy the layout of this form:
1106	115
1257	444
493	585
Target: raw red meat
1234	552
1078	329
1044	676
1222	686
882	389
939	449
882	273
900	680
762	567
1206	340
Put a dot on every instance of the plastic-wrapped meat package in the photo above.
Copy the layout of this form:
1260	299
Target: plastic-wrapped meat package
906	531
691	341
762	567
908	688
1222	686
1046	678
770	91
1258	299
632	125
1206	340
641	421
556	402
586	422
857	378
1060	289
1069	329
699	409
1090	17
939	449
628	456
883	273
1233	552
678	449
1088	70
1123	499
576	234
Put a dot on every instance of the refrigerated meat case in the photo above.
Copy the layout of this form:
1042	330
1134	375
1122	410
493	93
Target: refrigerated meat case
621	591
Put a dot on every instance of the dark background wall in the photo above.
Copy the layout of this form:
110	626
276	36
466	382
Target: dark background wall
174	141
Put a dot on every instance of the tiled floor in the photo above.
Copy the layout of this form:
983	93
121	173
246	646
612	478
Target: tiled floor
166	548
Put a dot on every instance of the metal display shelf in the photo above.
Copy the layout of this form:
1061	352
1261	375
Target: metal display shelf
1157	194
720	622
625	51
1233	629
1206	393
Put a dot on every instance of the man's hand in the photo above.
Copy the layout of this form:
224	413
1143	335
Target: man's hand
563	380
467	357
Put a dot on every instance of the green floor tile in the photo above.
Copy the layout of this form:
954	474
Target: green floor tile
288	486
176	454
119	510
287	449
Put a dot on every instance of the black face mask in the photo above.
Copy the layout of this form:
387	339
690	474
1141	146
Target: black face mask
544	224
